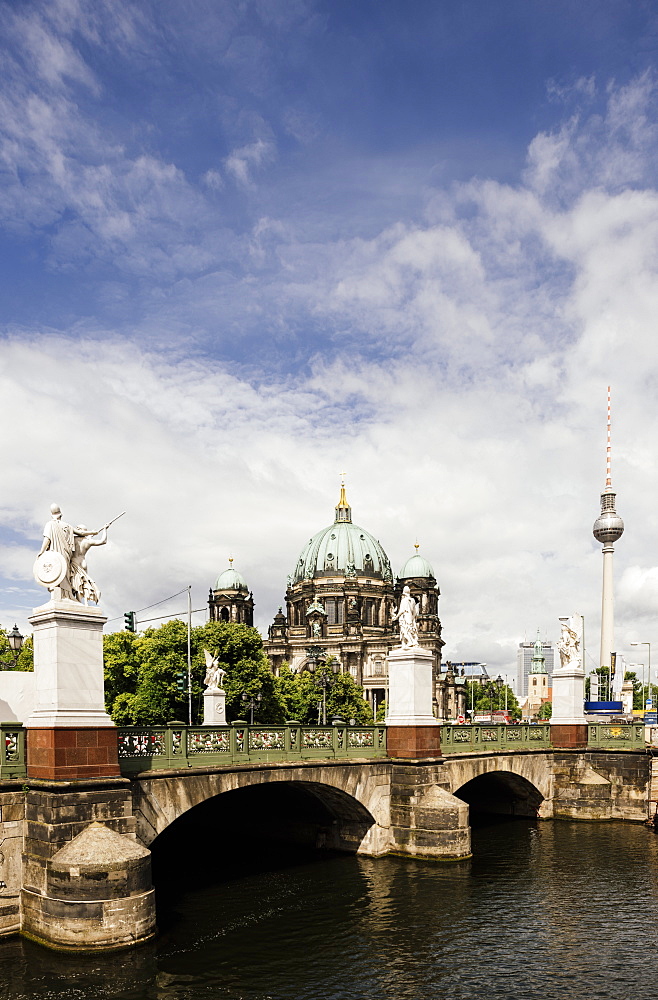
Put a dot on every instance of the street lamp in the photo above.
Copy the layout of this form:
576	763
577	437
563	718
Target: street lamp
323	679
15	640
251	702
499	684
649	685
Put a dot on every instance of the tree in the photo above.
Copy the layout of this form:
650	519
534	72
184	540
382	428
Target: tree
484	697
545	711
146	675
346	700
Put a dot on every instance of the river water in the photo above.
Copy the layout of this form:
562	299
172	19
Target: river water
543	910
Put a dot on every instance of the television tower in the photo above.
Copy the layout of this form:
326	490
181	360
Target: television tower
608	527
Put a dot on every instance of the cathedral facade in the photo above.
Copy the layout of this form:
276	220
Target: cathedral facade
340	602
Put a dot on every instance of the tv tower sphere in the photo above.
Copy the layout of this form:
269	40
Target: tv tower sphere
608	526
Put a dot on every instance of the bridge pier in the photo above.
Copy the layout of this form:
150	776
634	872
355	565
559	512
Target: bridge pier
86	881
426	820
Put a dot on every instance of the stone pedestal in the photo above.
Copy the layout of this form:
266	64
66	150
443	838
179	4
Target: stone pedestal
69	733
568	721
214	707
412	730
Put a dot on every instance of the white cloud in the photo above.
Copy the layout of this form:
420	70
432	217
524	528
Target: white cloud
456	367
242	162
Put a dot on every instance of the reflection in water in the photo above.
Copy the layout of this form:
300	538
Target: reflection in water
543	910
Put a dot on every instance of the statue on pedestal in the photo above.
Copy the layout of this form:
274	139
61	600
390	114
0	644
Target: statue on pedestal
406	615
61	565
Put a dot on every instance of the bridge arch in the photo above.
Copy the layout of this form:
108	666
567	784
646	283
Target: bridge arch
517	785
342	807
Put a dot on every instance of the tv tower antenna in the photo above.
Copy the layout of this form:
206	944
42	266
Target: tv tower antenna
608	528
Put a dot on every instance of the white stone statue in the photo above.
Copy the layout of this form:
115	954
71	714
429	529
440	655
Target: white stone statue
569	644
214	678
406	614
61	565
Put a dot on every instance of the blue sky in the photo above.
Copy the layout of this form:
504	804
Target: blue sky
247	245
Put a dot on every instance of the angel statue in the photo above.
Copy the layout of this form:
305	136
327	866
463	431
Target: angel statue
406	615
215	675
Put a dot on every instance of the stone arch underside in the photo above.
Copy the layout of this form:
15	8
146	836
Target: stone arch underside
341	807
516	786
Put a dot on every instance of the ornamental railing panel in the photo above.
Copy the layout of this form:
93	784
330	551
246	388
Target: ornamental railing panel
495	737
177	746
615	736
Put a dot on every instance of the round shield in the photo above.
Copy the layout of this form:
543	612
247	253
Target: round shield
50	568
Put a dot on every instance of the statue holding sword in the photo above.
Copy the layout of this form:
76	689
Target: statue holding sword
61	565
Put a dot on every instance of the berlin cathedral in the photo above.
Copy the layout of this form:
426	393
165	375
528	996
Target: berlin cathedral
340	602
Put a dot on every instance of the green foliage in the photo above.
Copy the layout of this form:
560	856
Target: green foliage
545	711
346	700
485	697
141	671
381	712
141	678
7	656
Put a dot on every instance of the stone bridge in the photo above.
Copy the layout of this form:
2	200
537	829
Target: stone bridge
76	868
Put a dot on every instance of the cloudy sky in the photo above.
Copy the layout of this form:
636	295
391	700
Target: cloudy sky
248	245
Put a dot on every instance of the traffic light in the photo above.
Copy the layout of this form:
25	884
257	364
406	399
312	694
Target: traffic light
130	621
180	681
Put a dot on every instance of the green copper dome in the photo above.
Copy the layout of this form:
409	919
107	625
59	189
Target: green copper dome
230	579
342	549
416	566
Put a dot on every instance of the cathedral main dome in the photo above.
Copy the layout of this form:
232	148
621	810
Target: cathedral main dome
342	549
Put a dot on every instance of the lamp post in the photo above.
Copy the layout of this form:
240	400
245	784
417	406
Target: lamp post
324	679
499	684
251	702
15	640
649	671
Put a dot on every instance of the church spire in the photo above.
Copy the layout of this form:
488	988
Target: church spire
343	509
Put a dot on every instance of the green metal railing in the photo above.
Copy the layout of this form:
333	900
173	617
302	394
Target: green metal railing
144	748
495	736
12	750
615	736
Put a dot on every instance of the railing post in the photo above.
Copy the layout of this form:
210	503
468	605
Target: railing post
239	736
176	744
12	750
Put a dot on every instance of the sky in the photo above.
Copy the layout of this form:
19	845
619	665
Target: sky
249	245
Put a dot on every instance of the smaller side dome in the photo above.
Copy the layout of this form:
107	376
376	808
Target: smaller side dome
230	579
416	566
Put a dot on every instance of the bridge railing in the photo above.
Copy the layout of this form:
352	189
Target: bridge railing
145	748
495	736
615	736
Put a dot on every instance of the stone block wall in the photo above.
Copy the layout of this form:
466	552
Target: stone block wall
601	785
